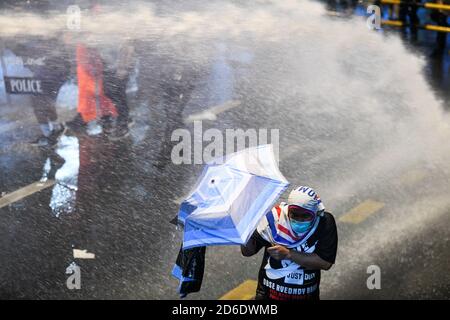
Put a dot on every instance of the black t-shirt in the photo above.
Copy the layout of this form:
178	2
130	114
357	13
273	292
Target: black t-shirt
286	280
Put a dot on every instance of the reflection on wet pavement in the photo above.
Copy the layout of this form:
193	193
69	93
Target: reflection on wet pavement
64	192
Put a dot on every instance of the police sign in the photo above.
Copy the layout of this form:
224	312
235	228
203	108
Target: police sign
16	85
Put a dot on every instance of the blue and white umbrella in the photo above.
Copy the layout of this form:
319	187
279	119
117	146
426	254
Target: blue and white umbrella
230	198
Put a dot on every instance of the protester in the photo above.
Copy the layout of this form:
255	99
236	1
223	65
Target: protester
299	240
408	9
93	104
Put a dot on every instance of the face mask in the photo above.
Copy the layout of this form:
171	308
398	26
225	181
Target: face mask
300	227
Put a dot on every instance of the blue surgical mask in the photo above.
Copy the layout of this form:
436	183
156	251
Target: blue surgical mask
300	227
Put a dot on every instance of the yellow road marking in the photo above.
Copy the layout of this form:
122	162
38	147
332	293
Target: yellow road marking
362	211
413	176
24	192
211	113
244	291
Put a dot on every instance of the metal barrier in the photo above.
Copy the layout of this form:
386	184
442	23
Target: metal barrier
427	5
431	27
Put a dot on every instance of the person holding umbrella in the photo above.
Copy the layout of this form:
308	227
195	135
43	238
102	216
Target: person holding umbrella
232	195
300	240
233	202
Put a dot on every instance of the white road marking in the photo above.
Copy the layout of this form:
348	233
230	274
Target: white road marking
413	177
245	291
211	113
24	192
83	254
362	211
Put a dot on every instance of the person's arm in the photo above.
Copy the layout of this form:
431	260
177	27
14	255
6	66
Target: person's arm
306	260
309	260
253	245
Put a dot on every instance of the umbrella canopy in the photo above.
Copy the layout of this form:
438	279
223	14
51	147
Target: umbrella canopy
230	198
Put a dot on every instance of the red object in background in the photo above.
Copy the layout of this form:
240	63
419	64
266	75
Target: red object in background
92	102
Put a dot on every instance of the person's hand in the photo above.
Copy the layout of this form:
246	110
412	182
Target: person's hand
279	252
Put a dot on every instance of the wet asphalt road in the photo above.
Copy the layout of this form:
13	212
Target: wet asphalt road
124	203
118	197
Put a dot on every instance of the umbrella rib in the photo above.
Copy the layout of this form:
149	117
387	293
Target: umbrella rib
250	173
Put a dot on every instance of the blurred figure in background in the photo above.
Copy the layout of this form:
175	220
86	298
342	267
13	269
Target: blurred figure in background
331	5
116	76
93	104
393	9
166	82
51	67
408	8
95	108
345	6
440	17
